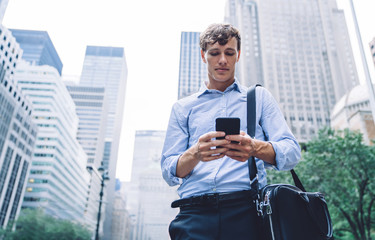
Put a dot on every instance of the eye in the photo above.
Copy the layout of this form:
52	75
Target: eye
231	53
214	53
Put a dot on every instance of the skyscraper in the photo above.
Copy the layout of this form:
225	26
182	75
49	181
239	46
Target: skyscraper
306	56
121	225
106	67
148	197
91	108
17	133
38	48
10	51
193	70
245	17
17	138
58	179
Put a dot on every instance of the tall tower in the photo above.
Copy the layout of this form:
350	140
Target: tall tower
10	52
306	56
106	67
245	17
38	48
91	108
17	133
58	179
148	197
192	69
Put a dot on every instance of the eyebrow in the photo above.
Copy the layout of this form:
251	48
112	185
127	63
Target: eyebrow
215	49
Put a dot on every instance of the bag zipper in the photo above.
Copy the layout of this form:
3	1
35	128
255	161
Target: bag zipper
273	235
268	211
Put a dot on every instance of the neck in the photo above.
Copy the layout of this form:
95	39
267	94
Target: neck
221	86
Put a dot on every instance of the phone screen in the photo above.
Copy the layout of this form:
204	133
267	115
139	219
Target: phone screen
231	126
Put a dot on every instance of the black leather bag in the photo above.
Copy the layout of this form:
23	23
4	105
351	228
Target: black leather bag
287	212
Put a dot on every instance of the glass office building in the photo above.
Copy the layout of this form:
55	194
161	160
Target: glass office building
91	109
58	180
17	132
192	71
148	196
38	48
306	57
10	51
106	67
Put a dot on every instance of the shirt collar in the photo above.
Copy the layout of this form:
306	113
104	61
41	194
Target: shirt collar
204	90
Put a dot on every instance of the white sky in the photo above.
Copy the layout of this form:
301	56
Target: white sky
149	31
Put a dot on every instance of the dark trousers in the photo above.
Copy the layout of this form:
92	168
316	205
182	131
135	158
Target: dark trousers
232	220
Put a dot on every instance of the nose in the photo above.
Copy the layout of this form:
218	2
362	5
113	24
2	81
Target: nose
222	59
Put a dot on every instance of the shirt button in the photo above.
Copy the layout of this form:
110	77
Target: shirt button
214	189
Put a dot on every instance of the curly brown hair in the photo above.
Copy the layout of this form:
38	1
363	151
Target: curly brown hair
221	33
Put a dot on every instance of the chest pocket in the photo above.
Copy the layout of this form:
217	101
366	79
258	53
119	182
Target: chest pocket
201	123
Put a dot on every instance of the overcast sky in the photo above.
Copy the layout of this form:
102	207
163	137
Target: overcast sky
149	31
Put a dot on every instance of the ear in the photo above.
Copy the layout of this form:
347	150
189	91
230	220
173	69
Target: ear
238	57
203	57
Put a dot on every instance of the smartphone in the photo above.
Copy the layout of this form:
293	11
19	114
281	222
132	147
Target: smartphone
231	126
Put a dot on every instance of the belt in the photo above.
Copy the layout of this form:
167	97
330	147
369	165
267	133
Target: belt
214	198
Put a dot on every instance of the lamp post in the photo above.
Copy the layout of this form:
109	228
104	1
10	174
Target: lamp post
104	177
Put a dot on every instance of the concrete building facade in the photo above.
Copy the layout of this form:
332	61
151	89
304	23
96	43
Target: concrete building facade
106	67
17	132
306	57
192	71
91	109
58	179
148	196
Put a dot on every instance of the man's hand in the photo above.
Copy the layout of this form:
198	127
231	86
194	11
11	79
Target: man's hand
206	149
207	146
247	147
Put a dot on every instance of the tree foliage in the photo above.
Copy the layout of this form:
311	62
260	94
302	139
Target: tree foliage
340	165
35	225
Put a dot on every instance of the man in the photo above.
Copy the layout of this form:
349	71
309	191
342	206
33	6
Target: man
216	197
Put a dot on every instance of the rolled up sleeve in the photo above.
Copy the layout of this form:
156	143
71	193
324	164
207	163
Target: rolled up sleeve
176	142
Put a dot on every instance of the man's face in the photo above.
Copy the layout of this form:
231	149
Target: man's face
221	61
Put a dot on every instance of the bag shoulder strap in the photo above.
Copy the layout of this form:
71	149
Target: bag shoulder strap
251	116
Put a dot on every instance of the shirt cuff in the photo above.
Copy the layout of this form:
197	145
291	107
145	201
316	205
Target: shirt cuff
172	173
279	156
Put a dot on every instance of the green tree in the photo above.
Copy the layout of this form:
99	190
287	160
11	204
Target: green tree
35	225
340	165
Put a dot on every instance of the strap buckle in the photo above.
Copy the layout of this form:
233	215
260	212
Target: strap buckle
254	179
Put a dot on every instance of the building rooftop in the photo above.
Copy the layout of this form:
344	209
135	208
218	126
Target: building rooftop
357	95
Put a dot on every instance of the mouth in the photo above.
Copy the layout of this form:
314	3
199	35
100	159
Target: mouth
222	69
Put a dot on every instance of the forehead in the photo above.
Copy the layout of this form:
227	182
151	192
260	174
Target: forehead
231	44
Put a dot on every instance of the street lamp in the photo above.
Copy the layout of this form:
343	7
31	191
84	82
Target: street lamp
104	177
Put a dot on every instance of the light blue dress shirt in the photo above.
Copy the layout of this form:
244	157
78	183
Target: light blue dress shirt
195	115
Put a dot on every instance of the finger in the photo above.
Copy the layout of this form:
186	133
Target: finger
210	135
237	155
237	138
213	154
205	146
210	152
214	157
239	159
